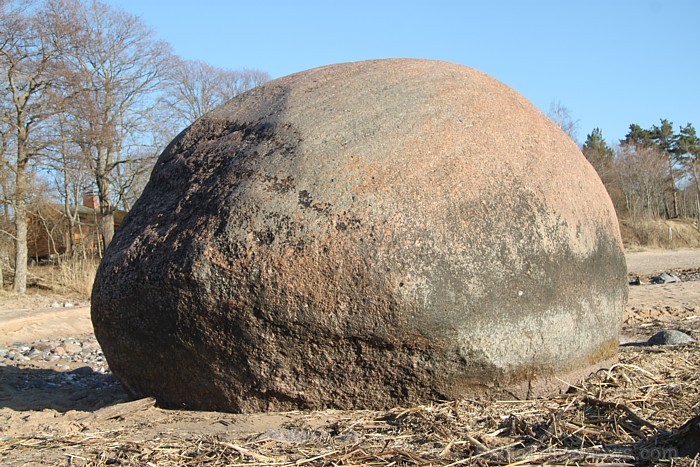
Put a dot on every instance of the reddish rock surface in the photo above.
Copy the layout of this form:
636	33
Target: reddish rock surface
362	235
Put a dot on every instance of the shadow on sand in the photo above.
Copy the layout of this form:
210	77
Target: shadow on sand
25	389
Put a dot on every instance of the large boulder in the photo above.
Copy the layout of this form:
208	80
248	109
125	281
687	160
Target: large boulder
362	235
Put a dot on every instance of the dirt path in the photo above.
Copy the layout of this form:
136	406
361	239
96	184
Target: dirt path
649	262
45	323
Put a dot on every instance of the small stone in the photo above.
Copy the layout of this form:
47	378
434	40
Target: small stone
667	278
83	371
60	350
34	354
72	348
91	345
43	346
670	337
68	305
55	305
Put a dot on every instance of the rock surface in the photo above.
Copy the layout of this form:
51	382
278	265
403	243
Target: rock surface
670	337
362	235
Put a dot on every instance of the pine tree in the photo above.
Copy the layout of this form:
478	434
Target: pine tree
595	146
637	136
686	150
600	155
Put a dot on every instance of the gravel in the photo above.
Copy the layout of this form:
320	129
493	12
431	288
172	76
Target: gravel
75	361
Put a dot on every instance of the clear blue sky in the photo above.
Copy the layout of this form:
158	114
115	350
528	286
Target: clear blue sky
610	62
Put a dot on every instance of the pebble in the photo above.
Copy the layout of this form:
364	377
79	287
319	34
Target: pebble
83	370
72	347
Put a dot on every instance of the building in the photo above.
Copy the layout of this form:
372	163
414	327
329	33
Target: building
48	237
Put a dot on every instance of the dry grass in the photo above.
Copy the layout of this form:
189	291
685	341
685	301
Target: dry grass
659	233
77	275
630	414
70	276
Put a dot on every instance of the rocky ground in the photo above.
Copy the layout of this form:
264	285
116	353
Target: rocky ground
59	404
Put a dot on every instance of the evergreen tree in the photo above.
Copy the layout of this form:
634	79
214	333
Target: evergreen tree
595	146
662	136
686	144
686	150
600	155
637	136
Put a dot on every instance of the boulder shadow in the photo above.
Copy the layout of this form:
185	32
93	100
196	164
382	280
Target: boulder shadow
35	389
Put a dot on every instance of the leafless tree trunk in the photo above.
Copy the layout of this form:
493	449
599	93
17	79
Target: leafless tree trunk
672	211
4	168
102	174
21	253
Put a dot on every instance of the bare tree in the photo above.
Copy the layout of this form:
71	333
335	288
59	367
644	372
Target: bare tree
235	82
197	87
643	178
70	169
561	115
29	55
117	70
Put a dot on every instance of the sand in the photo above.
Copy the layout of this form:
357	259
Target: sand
650	306
44	323
649	262
97	409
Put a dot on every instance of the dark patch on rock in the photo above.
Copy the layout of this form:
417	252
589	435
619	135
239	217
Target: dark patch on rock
688	438
360	236
305	199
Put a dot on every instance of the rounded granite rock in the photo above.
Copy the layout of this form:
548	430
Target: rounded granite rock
362	235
